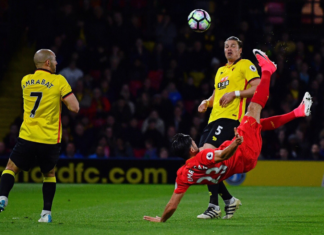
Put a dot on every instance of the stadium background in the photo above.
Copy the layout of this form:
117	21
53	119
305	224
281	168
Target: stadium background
140	73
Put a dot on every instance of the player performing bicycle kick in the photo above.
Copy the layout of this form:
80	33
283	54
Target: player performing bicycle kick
240	155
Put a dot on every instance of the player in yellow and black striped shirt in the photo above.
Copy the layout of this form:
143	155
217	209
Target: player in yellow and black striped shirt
41	131
234	82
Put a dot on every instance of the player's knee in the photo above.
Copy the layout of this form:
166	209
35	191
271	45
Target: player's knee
12	167
51	173
253	108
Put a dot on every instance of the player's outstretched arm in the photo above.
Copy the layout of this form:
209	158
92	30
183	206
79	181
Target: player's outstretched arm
169	209
221	155
72	103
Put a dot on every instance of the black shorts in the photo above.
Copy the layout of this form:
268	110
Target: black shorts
216	132
27	154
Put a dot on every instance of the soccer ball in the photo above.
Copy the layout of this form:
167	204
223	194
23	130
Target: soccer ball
199	20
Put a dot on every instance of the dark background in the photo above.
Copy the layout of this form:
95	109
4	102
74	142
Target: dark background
140	73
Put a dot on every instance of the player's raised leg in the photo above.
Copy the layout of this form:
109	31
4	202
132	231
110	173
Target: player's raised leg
261	94
49	188
303	110
7	182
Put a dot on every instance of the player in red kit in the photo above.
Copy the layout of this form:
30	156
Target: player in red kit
211	166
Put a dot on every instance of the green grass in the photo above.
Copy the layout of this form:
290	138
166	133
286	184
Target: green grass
119	209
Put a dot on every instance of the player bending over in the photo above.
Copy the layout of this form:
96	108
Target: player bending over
41	131
211	166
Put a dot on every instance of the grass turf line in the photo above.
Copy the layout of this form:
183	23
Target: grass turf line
119	209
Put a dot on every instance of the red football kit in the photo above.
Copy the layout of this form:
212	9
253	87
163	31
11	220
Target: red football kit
202	169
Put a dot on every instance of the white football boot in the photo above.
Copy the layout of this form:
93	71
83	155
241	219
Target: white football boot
210	213
303	110
47	218
231	208
3	203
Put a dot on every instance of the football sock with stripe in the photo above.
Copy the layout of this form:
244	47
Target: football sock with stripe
261	93
223	192
275	122
49	188
7	182
217	208
229	201
213	191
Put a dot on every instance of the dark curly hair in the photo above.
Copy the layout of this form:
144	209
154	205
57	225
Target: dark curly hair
180	145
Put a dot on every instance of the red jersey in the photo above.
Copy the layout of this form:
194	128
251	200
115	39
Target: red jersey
202	169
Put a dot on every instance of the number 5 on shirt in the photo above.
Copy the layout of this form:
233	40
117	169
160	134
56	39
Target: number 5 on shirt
219	130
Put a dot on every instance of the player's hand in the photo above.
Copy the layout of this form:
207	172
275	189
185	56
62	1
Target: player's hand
238	138
203	106
156	219
226	99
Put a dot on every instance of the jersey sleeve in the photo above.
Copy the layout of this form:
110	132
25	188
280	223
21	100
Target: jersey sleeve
65	88
180	186
206	157
250	71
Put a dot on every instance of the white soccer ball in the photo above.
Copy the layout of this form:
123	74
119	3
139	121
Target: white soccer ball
199	20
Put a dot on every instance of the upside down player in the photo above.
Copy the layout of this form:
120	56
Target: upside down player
41	131
211	166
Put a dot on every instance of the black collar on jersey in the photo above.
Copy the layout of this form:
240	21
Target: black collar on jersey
234	62
237	60
44	70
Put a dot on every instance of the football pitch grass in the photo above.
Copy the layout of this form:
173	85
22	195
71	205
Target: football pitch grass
119	209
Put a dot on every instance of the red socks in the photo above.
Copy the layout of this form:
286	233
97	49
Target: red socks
275	122
261	93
